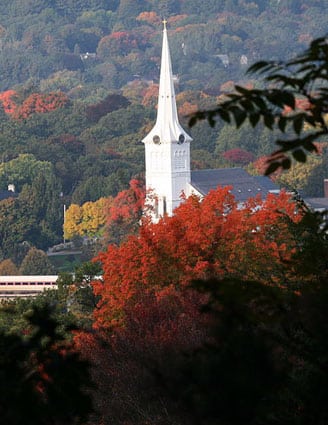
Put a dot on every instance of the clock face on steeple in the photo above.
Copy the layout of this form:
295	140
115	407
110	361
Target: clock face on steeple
157	140
181	139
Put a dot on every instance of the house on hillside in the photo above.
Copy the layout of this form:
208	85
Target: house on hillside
10	193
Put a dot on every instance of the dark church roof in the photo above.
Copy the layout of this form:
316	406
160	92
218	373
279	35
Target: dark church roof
317	204
244	185
5	194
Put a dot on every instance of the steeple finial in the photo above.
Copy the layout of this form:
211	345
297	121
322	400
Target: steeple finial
164	23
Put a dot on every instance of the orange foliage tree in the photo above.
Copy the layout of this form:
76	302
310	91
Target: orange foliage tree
149	17
118	42
187	108
124	215
213	237
7	98
34	103
40	103
259	166
150	95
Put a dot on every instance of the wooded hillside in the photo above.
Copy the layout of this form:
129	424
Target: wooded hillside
79	89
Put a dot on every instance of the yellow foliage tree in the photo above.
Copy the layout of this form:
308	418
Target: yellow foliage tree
72	221
93	217
297	176
86	220
8	268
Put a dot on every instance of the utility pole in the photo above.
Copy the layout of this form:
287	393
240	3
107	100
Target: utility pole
64	211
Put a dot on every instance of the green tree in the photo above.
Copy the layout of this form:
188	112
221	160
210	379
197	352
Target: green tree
258	141
42	197
80	297
22	170
128	10
36	262
266	360
16	226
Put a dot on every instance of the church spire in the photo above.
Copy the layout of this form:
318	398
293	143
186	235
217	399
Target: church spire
167	127
167	147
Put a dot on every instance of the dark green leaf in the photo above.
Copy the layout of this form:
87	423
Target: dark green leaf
224	115
260	103
274	97
254	119
309	146
241	90
299	155
193	120
288	99
282	122
298	123
286	81
286	163
239	116
247	105
268	120
261	67
272	168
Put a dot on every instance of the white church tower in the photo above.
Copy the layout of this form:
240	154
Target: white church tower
167	147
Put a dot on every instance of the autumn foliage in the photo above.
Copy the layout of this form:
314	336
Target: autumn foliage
214	237
113	218
86	220
238	156
151	297
41	103
119	42
260	165
149	17
123	217
34	103
150	95
7	98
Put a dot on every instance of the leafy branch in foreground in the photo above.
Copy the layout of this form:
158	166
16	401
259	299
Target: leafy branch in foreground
43	379
295	103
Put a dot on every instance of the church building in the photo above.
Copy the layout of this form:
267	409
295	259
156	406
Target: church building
167	155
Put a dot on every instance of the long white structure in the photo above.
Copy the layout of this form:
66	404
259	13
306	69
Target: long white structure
26	286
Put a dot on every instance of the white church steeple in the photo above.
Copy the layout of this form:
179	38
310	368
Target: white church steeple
167	125
167	146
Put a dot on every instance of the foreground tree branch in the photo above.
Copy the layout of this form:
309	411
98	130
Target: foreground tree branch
294	102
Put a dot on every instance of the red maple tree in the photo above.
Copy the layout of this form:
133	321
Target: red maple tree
7	98
215	237
40	103
238	156
34	103
125	212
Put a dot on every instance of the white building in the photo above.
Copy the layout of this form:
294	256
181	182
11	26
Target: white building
167	152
